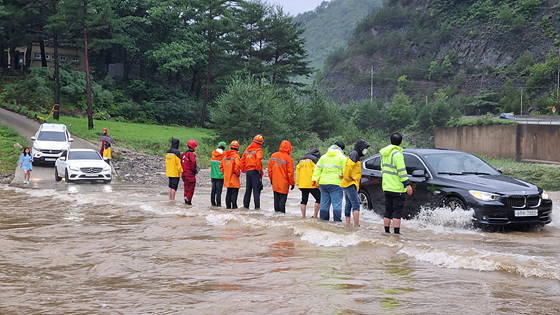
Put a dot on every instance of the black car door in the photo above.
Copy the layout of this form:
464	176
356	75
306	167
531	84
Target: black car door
371	183
422	194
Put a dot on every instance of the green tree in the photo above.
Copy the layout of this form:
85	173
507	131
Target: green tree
400	111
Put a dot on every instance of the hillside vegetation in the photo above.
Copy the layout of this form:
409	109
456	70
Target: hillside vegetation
484	55
326	28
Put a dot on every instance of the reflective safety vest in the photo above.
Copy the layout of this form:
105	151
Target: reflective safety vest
252	158
330	167
393	169
217	156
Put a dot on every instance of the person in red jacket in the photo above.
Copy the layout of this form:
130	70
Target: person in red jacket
251	164
281	174
188	161
231	167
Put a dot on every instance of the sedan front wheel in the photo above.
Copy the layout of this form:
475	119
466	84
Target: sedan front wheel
364	200
455	203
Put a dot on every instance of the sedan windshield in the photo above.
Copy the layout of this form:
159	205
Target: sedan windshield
52	136
459	164
83	155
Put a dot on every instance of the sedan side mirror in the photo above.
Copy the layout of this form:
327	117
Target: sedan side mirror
418	173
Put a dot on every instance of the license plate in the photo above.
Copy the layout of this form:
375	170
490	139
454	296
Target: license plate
91	175
49	160
526	213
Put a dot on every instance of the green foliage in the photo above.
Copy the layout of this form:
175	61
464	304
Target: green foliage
482	121
400	111
9	155
437	113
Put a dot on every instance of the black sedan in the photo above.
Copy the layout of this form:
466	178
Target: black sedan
459	180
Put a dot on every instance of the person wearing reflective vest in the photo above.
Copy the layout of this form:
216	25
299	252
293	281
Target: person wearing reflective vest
351	182
231	167
173	167
395	182
251	164
304	175
188	161
281	174
328	174
216	175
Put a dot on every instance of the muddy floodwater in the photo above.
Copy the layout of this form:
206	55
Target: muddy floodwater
125	249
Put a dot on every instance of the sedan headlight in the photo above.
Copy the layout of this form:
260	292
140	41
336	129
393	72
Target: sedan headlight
74	168
544	195
484	196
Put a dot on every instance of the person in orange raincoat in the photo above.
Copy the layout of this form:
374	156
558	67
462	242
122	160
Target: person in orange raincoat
231	167
281	174
251	164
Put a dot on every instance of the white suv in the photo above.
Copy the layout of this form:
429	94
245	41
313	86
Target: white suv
49	142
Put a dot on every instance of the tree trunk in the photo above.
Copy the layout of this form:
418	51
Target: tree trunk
43	55
88	81
2	65
13	59
56	78
56	105
203	115
28	56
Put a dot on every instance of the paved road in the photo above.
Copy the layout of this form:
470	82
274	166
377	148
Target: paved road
27	128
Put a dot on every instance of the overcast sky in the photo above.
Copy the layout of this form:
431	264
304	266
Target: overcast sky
294	7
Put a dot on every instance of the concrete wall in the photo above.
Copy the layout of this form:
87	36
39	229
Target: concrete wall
515	141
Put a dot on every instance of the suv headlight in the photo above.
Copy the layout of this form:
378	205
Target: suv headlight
74	168
107	168
484	196
544	195
35	147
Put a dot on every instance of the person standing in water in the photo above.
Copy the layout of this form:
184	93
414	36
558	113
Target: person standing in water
188	161
351	181
231	167
173	168
216	175
26	164
304	172
281	174
251	164
395	182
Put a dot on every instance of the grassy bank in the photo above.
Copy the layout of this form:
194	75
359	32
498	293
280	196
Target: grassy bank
9	155
542	175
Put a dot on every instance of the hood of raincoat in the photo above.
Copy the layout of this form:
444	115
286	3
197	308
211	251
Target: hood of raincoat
334	150
358	148
286	147
175	147
390	148
313	154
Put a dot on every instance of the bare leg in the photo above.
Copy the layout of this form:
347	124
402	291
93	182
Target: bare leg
396	223
386	222
303	210
347	220
171	193
356	215
317	208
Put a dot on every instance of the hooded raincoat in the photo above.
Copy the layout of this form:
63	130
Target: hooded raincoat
231	167
281	169
173	160
305	168
393	169
330	167
252	158
217	156
353	170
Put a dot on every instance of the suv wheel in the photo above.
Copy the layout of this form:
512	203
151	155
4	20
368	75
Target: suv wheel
66	178
56	177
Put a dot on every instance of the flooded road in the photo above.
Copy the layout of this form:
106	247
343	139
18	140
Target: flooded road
125	249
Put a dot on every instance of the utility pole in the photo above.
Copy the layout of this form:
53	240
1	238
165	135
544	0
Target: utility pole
558	83
371	89
521	111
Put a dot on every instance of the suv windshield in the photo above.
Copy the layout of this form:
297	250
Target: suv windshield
83	155
52	136
459	164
